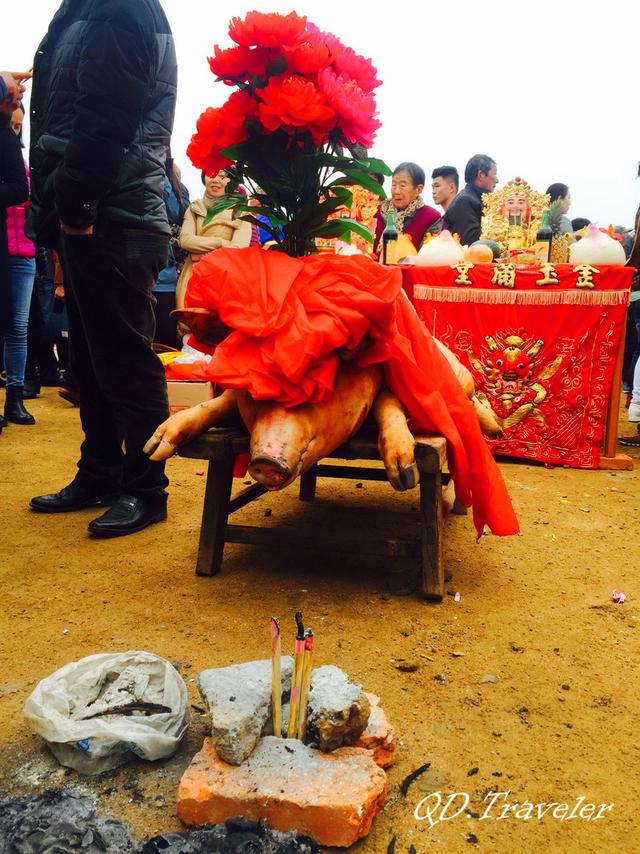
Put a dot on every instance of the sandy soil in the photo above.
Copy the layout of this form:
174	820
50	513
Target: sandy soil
535	612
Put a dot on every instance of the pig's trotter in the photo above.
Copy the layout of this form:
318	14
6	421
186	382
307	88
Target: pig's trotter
486	418
270	472
395	442
409	476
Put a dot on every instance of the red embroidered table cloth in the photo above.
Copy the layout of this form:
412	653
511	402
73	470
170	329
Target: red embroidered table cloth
541	343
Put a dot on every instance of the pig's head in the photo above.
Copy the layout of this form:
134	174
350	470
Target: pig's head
203	323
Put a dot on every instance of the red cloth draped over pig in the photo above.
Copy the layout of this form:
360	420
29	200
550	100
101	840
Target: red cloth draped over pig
291	316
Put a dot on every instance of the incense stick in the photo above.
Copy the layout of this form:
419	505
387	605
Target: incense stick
306	683
297	678
276	677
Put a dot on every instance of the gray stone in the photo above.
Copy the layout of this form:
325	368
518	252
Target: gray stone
338	710
239	701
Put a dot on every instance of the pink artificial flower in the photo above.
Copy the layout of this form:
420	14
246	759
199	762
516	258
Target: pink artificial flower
356	110
346	62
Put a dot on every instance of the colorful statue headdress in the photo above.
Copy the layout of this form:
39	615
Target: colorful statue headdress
511	216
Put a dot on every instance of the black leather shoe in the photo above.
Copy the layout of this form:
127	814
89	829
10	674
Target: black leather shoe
128	515
70	395
72	497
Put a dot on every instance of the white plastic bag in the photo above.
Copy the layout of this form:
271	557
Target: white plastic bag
102	711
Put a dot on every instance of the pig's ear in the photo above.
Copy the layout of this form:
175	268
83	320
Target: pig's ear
205	325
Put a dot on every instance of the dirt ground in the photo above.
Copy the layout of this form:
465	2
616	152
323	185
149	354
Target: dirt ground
535	612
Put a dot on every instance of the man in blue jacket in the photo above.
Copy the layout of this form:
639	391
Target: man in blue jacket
101	118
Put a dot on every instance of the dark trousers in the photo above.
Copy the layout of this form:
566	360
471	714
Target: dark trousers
123	395
166	326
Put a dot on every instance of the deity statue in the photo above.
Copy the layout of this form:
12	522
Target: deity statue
511	216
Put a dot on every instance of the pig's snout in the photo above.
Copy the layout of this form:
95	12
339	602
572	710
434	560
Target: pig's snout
270	472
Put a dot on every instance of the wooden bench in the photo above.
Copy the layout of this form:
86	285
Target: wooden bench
220	446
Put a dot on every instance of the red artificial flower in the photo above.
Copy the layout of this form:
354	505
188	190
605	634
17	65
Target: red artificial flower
218	128
356	110
292	103
309	57
238	63
268	29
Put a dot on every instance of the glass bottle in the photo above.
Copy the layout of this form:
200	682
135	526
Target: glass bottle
389	238
542	248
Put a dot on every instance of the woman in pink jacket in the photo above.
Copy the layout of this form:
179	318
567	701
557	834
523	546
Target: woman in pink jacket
22	270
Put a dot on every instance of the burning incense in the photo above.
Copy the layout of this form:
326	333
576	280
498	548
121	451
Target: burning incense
276	677
296	684
306	682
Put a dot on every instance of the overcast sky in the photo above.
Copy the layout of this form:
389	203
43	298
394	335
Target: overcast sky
548	89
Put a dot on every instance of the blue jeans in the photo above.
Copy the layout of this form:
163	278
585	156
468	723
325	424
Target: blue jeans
22	272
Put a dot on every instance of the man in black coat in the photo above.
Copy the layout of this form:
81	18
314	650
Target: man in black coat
464	214
101	119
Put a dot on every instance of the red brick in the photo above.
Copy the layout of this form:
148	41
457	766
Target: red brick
379	736
332	797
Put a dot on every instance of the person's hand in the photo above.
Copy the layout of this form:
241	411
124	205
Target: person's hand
70	231
59	292
14	81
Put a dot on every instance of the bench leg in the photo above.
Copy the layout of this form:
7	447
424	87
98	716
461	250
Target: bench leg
308	484
214	516
431	530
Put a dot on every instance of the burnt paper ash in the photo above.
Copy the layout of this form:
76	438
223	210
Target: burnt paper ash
64	821
236	836
59	821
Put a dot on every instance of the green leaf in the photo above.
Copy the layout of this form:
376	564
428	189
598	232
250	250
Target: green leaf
338	191
341	228
333	160
372	164
255	221
273	216
223	205
234	152
277	66
332	204
363	180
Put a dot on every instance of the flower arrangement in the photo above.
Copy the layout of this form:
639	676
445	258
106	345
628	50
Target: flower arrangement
296	130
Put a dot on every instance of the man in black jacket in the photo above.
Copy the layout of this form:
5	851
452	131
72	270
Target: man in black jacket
464	214
101	119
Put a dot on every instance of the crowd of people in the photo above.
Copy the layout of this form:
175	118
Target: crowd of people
98	238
